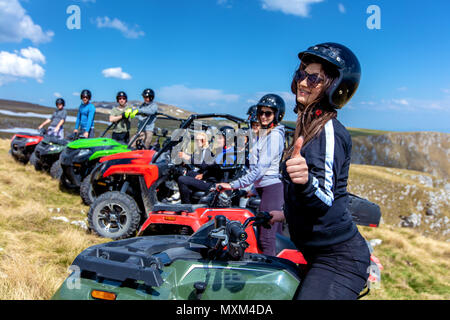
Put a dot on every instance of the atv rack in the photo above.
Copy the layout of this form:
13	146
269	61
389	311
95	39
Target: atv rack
132	259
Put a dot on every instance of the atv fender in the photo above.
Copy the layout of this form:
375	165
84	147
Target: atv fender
149	172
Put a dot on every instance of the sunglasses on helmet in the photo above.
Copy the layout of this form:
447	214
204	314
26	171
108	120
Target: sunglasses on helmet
313	80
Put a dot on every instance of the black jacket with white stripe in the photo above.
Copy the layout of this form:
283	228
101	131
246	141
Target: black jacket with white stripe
317	212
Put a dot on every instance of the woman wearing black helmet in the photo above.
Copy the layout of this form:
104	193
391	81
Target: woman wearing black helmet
315	177
264	169
57	120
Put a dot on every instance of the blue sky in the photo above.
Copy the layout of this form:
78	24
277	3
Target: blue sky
223	55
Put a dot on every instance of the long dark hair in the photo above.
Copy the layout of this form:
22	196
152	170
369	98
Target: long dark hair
312	118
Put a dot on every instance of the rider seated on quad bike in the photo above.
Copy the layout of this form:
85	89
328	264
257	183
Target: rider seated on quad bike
57	120
208	174
195	160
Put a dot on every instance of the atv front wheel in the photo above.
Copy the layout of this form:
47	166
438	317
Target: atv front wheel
34	161
114	215
56	170
87	192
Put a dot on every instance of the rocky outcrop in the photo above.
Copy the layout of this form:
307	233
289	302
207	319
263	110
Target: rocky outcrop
408	199
421	151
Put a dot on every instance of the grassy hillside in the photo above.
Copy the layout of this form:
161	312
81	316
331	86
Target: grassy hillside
37	245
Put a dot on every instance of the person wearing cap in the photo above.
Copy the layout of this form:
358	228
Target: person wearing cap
85	116
57	120
315	174
148	109
264	171
121	131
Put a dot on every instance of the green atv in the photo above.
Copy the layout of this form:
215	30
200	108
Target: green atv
80	157
210	265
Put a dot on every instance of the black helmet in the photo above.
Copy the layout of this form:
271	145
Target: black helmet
120	95
60	101
276	103
253	114
149	93
86	93
224	131
348	66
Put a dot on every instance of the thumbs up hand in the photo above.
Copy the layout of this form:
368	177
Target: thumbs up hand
296	167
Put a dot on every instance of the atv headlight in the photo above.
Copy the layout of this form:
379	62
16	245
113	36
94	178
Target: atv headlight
82	155
31	140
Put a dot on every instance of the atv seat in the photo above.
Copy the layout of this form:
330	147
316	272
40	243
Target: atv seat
283	243
177	208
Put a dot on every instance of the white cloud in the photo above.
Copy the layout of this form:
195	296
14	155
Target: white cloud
403	102
115	23
76	94
57	95
116	73
16	25
341	8
14	66
33	54
191	97
299	8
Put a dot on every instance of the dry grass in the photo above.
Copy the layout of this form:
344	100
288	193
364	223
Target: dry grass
36	251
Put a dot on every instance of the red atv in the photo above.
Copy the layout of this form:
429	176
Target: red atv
136	181
23	145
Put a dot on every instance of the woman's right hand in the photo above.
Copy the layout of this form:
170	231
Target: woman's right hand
296	167
277	216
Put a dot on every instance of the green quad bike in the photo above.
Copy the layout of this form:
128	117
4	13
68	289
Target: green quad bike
212	264
80	157
209	265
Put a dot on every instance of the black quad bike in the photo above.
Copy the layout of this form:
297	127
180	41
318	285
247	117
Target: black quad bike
48	151
24	144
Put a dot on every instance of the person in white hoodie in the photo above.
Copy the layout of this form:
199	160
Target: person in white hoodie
264	171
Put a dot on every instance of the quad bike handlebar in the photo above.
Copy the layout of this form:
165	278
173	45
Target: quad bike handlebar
230	236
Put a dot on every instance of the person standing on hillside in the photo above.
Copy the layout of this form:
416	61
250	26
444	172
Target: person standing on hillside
121	131
57	120
315	174
85	116
149	108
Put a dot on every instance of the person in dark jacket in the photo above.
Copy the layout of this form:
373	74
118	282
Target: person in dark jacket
315	176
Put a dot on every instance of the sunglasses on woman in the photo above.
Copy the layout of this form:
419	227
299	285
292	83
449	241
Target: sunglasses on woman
268	114
313	80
